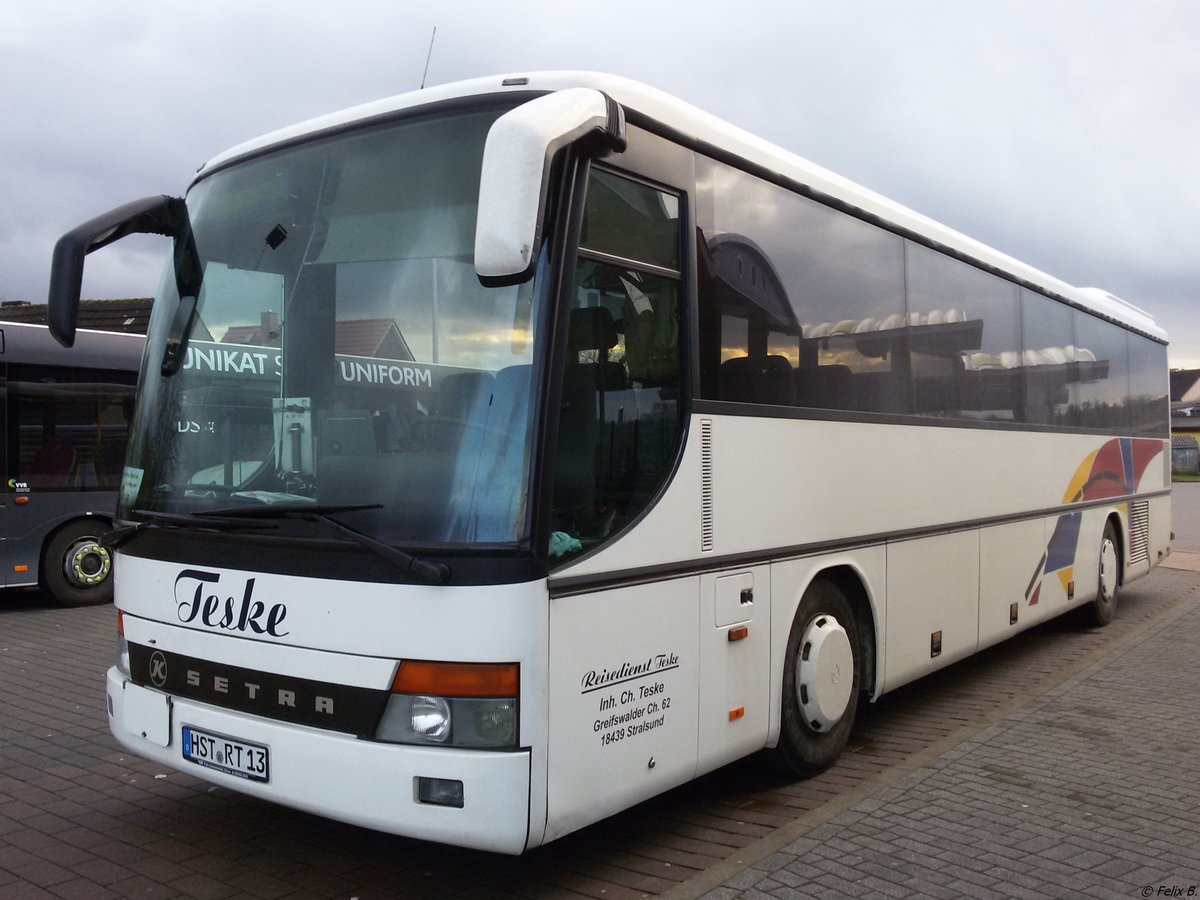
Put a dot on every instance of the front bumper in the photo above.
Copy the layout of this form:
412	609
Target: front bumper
337	775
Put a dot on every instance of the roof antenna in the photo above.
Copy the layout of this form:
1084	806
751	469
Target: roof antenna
428	56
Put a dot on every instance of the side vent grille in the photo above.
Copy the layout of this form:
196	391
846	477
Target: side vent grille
1139	531
706	486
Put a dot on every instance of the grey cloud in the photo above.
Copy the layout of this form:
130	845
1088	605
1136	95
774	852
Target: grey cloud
1060	133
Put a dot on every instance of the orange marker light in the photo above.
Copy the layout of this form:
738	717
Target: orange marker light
21	501
447	679
20	568
739	633
735	714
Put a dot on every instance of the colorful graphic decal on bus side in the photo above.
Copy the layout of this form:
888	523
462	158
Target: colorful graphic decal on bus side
1114	470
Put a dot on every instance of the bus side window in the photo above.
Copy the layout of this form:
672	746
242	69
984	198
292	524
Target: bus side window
70	427
786	281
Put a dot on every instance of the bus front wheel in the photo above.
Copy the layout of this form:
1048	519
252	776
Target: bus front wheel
76	568
821	681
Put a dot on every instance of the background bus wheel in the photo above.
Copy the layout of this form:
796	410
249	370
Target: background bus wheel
76	570
1103	609
821	677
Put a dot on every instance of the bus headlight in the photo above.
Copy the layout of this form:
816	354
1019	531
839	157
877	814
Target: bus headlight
122	647
429	718
496	722
452	705
123	657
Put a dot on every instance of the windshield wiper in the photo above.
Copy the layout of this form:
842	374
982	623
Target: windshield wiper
433	572
152	519
284	510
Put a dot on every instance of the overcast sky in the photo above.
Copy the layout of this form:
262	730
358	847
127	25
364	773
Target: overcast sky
1066	134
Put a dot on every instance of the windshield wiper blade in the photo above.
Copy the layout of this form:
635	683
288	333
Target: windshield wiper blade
433	572
152	519
284	510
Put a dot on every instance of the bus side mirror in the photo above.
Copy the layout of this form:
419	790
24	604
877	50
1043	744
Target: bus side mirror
150	215
515	178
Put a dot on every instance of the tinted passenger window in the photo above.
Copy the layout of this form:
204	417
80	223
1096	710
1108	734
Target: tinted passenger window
965	334
67	427
1149	407
803	305
1047	360
1100	394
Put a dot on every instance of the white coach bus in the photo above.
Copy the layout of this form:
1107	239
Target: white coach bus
512	451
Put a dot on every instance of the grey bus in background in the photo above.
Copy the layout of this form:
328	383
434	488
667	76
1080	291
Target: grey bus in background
65	420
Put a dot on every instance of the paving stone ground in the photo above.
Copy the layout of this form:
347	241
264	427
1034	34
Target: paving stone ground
1061	763
1092	790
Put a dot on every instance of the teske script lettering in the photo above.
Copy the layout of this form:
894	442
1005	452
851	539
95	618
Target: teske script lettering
204	603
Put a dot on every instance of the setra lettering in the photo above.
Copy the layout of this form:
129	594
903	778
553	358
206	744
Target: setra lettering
248	690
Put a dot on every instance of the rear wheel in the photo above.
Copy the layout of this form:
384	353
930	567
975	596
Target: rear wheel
1103	609
76	569
821	681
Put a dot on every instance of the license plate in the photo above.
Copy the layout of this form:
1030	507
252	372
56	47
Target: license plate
226	754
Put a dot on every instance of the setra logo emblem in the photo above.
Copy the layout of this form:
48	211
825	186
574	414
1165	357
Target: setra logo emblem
158	668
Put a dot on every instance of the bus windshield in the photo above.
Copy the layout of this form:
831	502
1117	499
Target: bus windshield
342	350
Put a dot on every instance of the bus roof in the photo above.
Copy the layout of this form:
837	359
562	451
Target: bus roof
23	342
703	128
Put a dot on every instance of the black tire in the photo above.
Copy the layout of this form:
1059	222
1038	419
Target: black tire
76	570
1103	609
810	743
